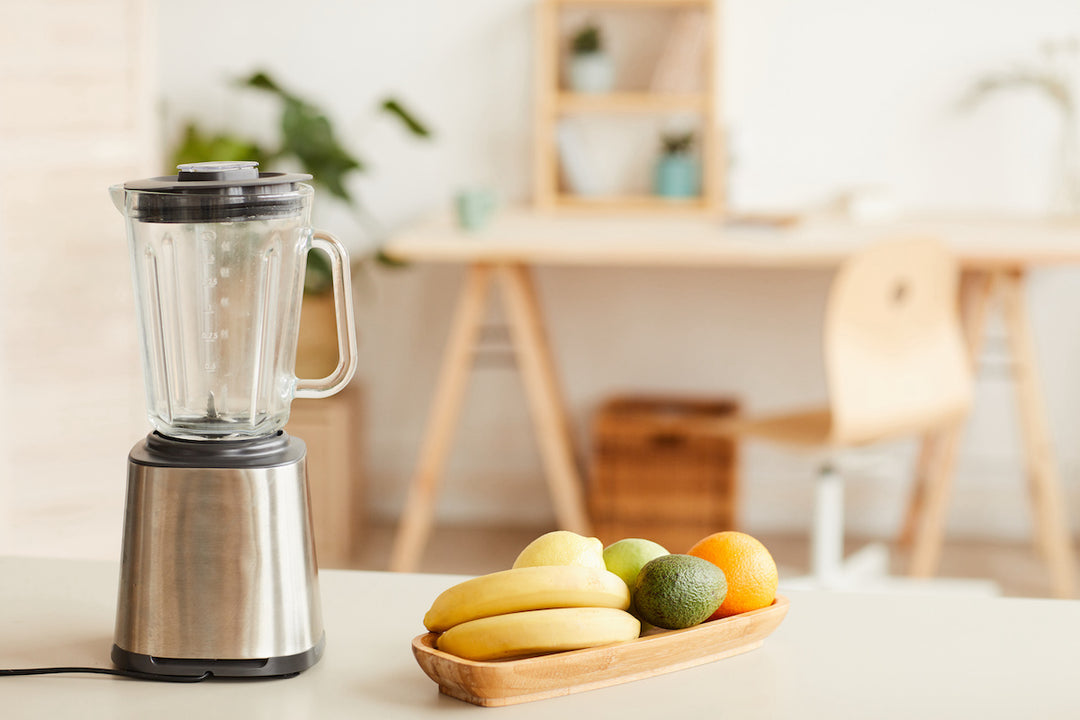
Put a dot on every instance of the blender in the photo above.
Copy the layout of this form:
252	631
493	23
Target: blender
218	570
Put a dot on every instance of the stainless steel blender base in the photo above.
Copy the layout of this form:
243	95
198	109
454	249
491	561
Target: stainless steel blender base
281	667
218	571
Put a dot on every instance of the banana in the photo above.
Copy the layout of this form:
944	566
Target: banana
527	588
538	631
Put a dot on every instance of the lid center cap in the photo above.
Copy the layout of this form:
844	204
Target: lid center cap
231	170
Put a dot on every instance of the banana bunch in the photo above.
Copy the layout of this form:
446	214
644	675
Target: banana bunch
532	610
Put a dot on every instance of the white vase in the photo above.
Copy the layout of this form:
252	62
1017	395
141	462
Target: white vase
592	73
1066	199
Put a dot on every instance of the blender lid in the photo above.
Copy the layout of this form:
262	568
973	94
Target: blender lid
217	191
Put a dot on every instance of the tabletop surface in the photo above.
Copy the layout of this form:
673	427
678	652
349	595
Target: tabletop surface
834	656
526	236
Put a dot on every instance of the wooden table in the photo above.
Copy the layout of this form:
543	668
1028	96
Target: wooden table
834	656
995	255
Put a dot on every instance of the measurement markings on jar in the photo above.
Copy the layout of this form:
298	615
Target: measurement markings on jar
209	334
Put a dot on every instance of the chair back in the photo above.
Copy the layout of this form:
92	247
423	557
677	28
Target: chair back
895	359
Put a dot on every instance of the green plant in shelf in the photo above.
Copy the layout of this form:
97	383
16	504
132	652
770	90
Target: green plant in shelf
307	138
587	40
677	143
590	67
677	174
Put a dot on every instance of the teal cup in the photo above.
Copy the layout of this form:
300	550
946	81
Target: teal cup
474	208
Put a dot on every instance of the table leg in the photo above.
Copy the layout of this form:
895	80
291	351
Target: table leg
917	501
929	525
976	291
1050	520
937	459
546	406
416	518
926	514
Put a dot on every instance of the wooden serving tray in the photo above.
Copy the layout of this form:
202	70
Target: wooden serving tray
508	682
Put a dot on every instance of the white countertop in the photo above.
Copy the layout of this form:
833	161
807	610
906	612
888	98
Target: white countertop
834	656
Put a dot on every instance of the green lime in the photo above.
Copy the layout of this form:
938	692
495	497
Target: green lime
626	557
678	591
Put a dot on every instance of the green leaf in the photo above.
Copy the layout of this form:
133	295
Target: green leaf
677	143
195	146
587	40
262	81
309	136
387	261
395	108
318	276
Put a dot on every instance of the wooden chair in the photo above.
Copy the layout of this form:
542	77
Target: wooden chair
896	366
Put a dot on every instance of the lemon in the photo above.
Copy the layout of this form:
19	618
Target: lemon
678	591
626	557
562	547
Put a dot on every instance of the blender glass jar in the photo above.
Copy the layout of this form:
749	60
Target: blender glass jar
218	257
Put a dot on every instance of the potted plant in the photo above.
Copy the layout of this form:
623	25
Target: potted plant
1055	77
308	140
677	173
591	69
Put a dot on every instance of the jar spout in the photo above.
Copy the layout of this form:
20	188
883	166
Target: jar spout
119	196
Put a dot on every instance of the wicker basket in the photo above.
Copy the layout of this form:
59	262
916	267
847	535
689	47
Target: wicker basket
663	469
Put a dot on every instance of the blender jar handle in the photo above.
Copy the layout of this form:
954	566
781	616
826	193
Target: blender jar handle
346	330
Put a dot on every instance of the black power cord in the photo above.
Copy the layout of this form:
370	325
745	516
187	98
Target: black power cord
107	671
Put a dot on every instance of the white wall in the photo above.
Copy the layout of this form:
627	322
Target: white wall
820	96
75	102
840	92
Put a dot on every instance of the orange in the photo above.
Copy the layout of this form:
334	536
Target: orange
749	568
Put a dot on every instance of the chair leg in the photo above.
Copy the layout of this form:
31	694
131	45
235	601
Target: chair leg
867	568
827	541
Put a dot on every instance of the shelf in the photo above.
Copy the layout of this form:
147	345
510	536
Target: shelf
629	203
631	102
686	64
634	3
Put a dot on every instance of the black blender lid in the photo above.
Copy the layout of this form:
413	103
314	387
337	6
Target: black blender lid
215	192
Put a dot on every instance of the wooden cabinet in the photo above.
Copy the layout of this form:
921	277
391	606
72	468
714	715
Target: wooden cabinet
674	75
331	429
663	468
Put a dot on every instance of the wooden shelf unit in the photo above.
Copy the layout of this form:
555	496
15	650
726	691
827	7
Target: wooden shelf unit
629	203
555	103
631	3
631	102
